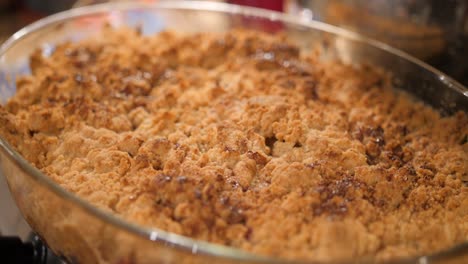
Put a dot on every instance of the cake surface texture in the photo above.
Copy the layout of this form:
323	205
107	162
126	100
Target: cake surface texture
242	139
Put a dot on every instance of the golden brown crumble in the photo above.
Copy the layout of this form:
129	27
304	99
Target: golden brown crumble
239	139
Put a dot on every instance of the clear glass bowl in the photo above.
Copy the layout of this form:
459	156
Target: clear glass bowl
82	233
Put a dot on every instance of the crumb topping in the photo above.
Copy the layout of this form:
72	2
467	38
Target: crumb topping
242	139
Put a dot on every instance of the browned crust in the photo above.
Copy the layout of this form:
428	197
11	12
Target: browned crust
238	139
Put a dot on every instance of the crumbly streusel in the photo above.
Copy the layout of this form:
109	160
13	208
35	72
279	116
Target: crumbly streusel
239	139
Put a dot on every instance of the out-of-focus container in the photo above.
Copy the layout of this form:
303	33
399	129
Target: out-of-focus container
432	30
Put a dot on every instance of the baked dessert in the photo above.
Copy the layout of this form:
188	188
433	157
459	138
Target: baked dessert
242	139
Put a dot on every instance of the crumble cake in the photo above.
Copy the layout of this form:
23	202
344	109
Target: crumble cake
241	139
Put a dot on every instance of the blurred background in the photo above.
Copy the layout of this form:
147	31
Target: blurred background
432	30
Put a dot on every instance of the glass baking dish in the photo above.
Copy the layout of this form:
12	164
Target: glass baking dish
82	233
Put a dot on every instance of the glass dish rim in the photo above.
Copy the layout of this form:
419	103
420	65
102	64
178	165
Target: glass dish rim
188	244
